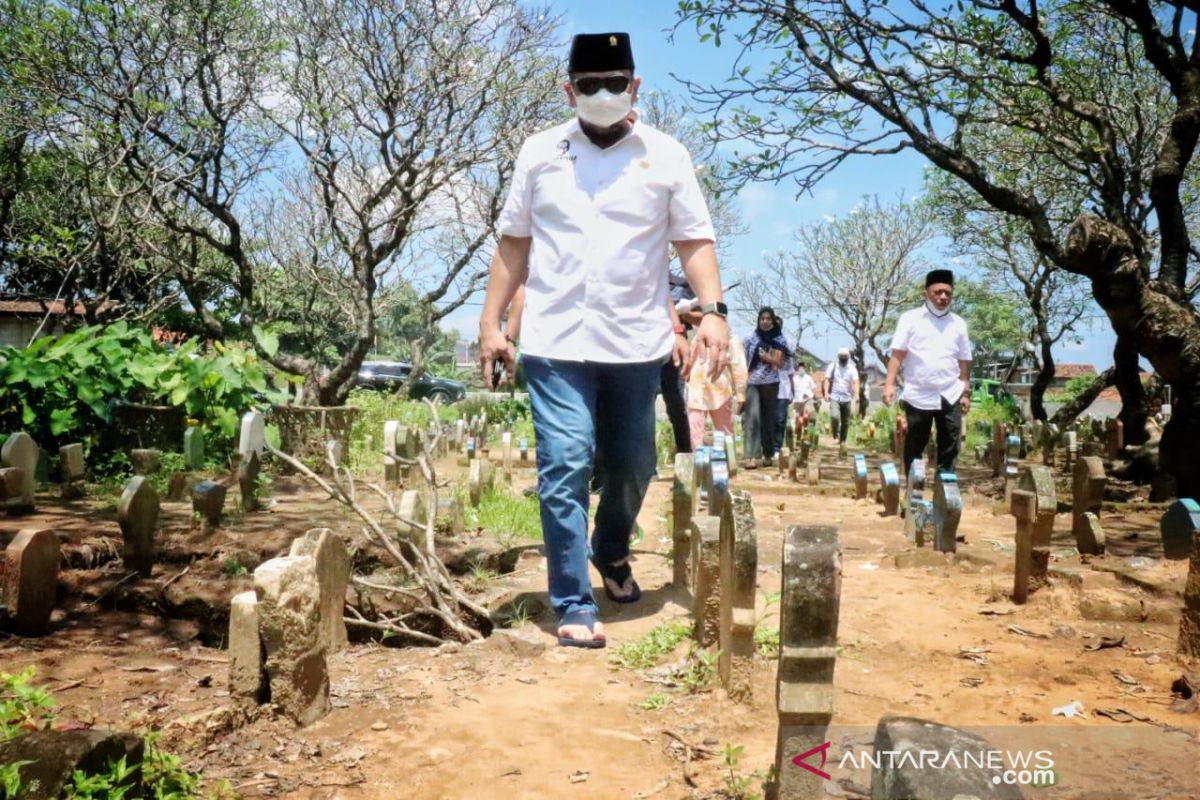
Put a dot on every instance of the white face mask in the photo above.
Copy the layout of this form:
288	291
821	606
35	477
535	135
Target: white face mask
603	109
937	312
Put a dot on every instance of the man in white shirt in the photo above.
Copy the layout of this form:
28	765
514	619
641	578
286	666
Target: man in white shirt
934	348
802	396
841	387
593	206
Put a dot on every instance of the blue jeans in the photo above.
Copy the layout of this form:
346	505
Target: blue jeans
579	408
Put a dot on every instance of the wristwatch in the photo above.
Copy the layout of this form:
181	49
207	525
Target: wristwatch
718	308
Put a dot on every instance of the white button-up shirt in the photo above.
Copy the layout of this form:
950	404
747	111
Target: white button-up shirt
601	221
841	380
934	345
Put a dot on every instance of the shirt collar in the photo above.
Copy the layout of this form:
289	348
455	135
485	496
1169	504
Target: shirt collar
573	130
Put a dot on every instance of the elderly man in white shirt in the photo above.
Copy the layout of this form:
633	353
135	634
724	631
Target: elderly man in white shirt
934	348
594	205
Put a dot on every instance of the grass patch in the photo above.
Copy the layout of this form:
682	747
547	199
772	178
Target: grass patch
653	647
655	702
507	516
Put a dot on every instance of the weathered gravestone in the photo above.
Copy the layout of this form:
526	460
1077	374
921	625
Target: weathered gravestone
71	469
247	673
145	461
794	466
1049	437
999	444
391	465
289	621
414	516
253	435
918	511
1039	480
718	494
332	563
860	477
480	480
1072	449
20	452
1087	495
702	474
731	455
705	580
966	772
1179	525
12	482
785	459
813	470
1023	506
137	514
889	488
405	450
806	447
810	599
208	501
900	439
48	763
683	504
247	476
523	449
29	579
460	435
947	512
193	448
472	448
1189	622
451	516
506	454
1114	438
739	571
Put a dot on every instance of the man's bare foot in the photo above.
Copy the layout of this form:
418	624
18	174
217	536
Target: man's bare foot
580	633
580	628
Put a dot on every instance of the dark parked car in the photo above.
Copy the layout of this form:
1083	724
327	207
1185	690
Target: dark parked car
390	376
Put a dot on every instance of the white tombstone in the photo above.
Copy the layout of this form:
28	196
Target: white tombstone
254	434
21	451
390	429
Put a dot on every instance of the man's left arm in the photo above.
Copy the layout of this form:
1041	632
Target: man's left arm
699	260
964	366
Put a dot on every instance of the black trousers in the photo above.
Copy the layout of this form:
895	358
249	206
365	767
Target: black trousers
948	420
672	393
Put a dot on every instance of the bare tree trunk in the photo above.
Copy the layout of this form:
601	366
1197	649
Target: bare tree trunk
1133	394
1150	319
1037	393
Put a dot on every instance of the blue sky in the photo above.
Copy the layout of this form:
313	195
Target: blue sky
770	211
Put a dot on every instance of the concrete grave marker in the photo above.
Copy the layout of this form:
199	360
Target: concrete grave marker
247	676
794	466
1189	622
1089	482
506	452
906	778
208	500
805	449
1023	506
460	434
947	512
332	563
391	466
706	578
785	458
405	450
247	476
71	469
334	452
145	461
137	514
860	477
21	452
523	449
731	456
1179	525
915	509
1114	438
480	480
1039	480
12	482
253	437
813	470
1092	533
999	440
414	515
29	579
1072	449
193	448
472	451
683	504
889	486
810	601
739	573
900	438
289	621
702	474
718	495
451	516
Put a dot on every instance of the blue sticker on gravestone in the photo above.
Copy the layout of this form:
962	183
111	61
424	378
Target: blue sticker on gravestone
890	476
1179	525
860	465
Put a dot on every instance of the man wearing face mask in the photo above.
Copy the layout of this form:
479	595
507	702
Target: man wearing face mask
933	347
802	396
841	387
593	208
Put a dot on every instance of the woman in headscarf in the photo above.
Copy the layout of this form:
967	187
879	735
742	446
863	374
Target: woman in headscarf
766	350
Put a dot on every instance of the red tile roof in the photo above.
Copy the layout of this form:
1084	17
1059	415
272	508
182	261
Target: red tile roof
16	307
1073	370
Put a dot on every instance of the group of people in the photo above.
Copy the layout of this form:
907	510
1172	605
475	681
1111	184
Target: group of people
594	206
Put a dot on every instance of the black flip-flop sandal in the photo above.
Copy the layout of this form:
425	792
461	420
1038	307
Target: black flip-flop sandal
585	618
616	575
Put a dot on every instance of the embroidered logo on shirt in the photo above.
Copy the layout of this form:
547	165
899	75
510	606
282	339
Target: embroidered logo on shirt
564	151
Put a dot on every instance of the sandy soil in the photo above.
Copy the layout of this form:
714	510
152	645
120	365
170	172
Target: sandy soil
480	721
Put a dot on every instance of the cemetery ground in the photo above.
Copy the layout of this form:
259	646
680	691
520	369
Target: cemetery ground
921	633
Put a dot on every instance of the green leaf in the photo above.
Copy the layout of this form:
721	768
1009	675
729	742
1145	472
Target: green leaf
62	420
268	341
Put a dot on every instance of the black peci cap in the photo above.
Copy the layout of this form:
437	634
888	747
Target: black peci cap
600	52
939	276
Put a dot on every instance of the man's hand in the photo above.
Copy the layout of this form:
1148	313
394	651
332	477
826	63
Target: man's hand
680	354
712	344
493	347
966	400
889	394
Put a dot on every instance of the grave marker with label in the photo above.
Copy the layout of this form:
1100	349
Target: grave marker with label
947	512
208	500
860	477
1087	495
253	437
739	573
1039	480
137	514
1179	525
889	488
1023	506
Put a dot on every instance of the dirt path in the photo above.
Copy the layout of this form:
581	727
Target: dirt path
480	721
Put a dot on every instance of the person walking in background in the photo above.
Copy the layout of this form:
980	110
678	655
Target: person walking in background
594	205
802	396
784	402
841	387
933	346
720	397
765	348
